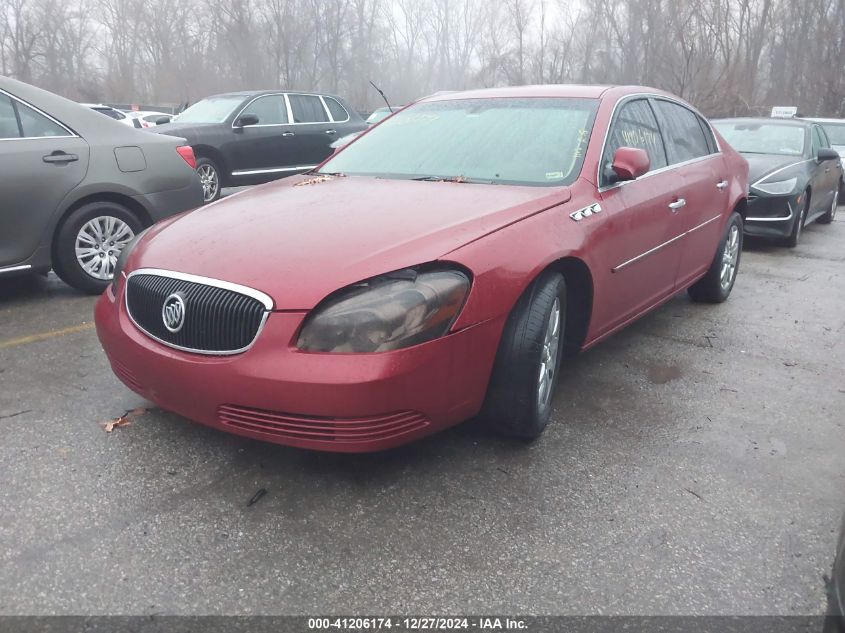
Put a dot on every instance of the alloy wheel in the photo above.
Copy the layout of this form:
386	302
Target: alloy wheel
98	245
210	182
548	358
730	257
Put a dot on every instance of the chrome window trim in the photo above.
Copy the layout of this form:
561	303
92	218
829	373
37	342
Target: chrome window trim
270	170
253	100
264	298
325	105
309	94
663	245
650	95
284	95
11	269
70	133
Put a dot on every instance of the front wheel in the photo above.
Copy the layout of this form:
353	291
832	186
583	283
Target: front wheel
717	283
798	225
827	218
519	397
89	242
209	176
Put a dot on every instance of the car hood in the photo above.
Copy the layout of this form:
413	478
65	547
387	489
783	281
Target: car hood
302	238
760	165
181	129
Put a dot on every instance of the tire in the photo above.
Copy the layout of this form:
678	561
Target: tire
90	271
521	389
795	234
209	175
827	218
717	283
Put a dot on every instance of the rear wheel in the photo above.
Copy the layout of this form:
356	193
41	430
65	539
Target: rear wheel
89	242
519	398
210	178
717	283
827	218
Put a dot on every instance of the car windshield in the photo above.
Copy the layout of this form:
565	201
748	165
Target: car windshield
835	133
210	110
763	138
525	141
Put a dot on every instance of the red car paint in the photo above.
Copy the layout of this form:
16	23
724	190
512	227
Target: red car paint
299	242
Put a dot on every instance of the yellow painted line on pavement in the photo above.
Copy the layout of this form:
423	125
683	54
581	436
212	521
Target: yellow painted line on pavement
34	338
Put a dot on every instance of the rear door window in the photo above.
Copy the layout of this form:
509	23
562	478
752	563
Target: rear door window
36	125
338	112
307	109
270	110
682	132
635	126
8	121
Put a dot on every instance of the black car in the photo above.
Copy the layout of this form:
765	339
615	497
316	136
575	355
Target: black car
246	138
836	588
794	175
77	186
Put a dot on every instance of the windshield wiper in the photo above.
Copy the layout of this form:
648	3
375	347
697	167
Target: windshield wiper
453	179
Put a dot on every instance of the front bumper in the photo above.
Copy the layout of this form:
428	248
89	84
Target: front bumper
771	216
333	402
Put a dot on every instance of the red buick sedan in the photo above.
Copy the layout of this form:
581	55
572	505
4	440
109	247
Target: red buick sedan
435	269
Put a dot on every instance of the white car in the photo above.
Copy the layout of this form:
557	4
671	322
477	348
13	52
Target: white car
112	113
150	118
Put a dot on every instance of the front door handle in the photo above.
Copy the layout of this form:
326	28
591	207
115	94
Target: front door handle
678	204
331	131
287	134
60	157
722	185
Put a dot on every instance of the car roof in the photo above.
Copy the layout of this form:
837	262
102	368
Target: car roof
80	118
820	120
244	94
576	91
764	119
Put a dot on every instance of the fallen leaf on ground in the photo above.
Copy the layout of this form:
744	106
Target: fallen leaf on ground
123	420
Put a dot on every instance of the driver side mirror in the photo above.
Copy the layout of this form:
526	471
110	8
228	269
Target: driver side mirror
246	119
827	154
629	163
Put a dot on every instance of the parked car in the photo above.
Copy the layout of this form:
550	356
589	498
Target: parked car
835	130
246	138
112	113
835	621
148	118
433	269
795	175
78	187
380	114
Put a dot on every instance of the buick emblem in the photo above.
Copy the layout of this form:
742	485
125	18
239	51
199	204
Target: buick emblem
173	312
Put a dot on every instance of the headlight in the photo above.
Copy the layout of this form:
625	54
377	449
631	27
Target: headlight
121	260
778	188
398	310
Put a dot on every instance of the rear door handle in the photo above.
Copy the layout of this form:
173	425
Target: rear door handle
722	185
331	131
287	134
60	157
678	204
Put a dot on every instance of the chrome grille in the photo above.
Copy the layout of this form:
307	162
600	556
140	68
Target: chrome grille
219	318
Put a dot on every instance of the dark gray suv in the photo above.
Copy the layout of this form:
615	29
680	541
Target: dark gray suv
76	187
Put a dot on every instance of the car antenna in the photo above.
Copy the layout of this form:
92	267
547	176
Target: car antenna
389	107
